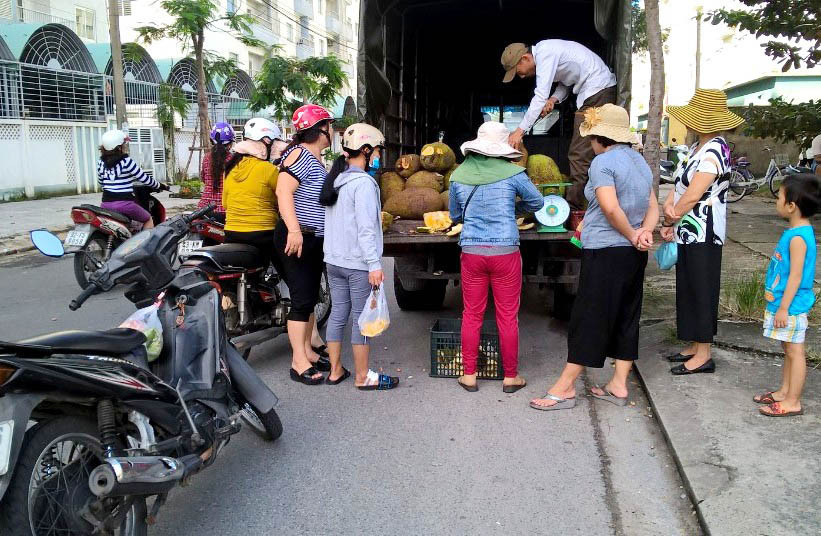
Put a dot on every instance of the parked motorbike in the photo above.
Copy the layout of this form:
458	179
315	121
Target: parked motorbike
99	231
205	231
667	168
92	435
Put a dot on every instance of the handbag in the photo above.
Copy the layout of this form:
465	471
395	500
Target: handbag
667	255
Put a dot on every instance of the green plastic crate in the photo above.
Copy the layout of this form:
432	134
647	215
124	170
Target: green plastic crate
446	350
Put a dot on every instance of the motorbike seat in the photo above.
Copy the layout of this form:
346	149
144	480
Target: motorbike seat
231	256
109	342
667	164
105	212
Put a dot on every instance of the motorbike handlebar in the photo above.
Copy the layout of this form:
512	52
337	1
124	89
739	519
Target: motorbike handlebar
165	187
197	214
77	302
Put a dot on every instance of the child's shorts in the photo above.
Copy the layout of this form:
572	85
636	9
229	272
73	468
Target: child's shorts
794	332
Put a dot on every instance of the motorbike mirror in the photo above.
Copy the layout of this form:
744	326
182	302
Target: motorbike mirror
47	243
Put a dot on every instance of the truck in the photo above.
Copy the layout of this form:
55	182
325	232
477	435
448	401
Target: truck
430	70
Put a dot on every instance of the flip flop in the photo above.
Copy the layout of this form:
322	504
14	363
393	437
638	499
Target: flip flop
383	383
345	376
561	403
764	398
608	396
469	388
513	388
776	411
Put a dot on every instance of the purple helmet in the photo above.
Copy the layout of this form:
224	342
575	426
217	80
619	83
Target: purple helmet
222	133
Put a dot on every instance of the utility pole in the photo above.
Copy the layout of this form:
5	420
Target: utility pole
698	46
117	62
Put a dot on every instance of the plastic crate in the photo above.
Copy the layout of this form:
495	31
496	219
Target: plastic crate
446	350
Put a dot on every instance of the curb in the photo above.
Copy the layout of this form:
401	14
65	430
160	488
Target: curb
28	247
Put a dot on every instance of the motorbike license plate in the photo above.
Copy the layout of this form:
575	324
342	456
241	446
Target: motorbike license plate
6	429
187	247
76	238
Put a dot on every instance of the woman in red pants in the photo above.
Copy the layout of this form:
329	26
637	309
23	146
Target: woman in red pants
483	193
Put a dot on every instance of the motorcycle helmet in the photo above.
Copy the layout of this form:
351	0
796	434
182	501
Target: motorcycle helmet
258	128
309	115
222	133
113	139
359	135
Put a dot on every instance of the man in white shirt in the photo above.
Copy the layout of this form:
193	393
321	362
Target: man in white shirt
573	67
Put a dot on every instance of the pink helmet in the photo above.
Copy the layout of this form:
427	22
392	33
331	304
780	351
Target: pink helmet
309	115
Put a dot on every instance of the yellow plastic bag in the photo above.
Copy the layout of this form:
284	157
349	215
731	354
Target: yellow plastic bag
375	317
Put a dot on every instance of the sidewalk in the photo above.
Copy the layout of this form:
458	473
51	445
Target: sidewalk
20	217
746	473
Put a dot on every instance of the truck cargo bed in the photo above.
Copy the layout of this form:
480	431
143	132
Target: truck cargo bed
404	232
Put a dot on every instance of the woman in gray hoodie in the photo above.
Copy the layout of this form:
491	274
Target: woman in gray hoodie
353	250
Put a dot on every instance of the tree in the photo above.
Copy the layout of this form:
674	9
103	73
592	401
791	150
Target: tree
795	26
784	121
639	23
191	18
287	83
171	101
656	105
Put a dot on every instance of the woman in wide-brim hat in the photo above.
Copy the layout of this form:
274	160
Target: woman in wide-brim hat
695	216
483	191
617	233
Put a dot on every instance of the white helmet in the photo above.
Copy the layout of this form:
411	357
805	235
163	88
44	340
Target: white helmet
815	148
258	128
113	139
360	134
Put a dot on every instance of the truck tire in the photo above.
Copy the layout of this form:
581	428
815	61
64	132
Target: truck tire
429	296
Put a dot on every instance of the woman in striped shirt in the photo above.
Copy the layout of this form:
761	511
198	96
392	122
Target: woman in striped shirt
116	173
298	237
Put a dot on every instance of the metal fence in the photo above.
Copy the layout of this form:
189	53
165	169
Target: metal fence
35	92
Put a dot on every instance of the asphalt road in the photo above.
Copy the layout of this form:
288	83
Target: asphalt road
427	458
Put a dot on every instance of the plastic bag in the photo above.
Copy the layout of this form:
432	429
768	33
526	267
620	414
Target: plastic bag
147	320
375	318
667	255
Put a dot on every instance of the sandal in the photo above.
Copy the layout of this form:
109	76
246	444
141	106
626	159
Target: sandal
322	364
378	382
469	388
512	388
561	403
321	351
608	396
307	377
765	398
345	376
776	411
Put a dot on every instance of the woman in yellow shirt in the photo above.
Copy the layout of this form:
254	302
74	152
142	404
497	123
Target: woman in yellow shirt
248	194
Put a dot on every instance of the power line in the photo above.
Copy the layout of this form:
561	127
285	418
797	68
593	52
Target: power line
298	23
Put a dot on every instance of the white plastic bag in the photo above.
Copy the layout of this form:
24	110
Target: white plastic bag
375	318
147	320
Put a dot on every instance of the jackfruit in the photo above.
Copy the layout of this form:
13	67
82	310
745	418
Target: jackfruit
437	221
522	162
445	199
413	203
387	220
407	165
543	170
389	184
446	180
455	230
526	226
426	179
437	157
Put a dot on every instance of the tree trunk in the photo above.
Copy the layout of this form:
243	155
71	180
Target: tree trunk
656	106
202	99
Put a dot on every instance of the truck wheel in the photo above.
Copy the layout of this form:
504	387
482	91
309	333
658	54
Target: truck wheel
429	296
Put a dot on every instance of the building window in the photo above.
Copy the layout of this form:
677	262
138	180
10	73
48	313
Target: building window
84	18
125	7
289	33
230	7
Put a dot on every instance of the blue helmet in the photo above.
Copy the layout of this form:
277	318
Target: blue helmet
222	133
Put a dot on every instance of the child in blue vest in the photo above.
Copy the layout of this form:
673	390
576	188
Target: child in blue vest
788	290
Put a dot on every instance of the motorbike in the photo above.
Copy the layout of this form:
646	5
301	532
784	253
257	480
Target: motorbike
98	231
93	436
205	231
667	168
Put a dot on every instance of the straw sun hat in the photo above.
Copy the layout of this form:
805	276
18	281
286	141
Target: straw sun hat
707	112
609	121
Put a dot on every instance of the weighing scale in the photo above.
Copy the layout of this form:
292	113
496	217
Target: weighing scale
554	213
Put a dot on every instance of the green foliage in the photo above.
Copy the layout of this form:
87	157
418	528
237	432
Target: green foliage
170	101
795	26
190	189
344	122
329	156
316	80
784	121
639	22
744	297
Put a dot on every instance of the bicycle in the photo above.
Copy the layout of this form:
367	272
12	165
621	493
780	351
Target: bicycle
743	182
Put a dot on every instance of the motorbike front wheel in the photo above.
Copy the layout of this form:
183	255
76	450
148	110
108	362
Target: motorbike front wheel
322	311
49	493
267	425
89	258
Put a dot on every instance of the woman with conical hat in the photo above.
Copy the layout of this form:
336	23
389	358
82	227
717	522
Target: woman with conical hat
695	217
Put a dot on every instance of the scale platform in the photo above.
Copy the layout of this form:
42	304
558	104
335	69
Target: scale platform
554	213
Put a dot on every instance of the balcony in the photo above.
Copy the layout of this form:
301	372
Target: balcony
38	17
332	24
304	8
347	33
304	48
265	27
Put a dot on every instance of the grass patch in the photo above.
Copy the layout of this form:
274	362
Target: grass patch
671	335
744	297
813	357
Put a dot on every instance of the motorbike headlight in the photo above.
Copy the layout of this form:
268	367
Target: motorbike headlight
5	373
